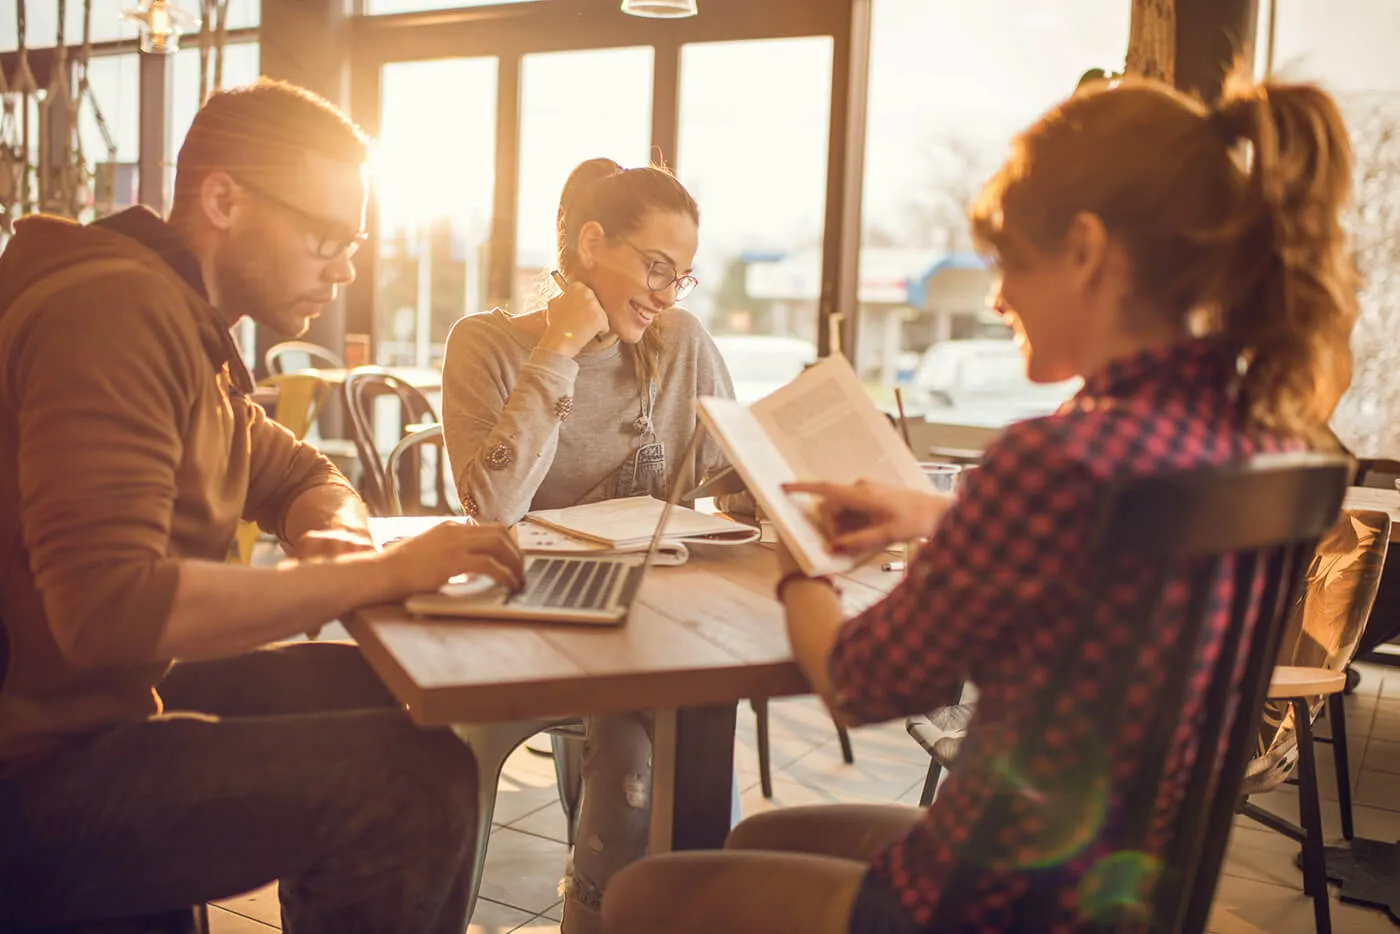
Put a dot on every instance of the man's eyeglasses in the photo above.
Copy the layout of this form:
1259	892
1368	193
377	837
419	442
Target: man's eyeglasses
325	239
661	274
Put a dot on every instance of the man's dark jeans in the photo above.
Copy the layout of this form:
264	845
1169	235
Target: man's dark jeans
292	763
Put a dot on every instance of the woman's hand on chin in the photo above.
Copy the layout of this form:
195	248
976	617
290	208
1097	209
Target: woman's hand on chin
572	319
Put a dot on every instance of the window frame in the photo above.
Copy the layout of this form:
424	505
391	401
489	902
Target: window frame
511	31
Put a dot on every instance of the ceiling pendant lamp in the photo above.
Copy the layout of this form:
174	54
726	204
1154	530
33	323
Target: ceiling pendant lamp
161	24
661	9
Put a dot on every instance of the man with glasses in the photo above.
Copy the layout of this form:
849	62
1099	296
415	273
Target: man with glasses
130	451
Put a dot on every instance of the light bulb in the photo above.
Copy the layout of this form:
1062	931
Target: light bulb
161	24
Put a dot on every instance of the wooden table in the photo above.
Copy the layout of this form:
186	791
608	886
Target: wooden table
701	638
1363	497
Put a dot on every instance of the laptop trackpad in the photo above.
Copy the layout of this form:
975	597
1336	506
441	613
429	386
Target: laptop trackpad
474	587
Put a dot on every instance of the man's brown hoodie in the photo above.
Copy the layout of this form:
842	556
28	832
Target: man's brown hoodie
127	445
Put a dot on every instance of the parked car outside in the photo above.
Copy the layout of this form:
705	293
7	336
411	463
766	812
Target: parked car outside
762	363
980	382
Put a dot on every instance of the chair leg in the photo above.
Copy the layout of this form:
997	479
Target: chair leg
844	737
1336	711
1310	813
568	774
765	766
491	744
930	782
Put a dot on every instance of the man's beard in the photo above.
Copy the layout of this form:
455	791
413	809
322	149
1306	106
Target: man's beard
240	293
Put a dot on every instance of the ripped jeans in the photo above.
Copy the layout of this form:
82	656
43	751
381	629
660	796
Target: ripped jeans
614	818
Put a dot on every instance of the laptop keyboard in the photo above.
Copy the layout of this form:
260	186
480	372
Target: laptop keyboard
570	583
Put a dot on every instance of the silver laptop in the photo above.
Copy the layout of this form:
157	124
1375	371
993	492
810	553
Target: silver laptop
597	591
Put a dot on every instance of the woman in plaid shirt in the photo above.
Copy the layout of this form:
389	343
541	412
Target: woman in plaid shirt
1207	301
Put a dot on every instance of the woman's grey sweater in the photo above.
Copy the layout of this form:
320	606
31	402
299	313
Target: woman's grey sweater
528	428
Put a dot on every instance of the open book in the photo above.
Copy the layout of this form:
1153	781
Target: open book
628	524
821	426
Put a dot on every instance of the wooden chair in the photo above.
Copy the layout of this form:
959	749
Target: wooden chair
192	920
1256	524
362	387
279	356
1323	633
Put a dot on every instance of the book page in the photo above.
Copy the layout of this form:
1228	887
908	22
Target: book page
828	429
765	470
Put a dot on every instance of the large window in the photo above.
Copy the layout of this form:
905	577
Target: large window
949	85
573	106
434	178
115	97
1347	46
754	119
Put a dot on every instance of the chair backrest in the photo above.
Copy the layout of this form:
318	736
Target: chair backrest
406	455
285	357
1324	627
300	397
363	386
1185	541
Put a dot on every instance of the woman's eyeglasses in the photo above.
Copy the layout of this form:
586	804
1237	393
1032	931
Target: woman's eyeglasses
661	274
325	239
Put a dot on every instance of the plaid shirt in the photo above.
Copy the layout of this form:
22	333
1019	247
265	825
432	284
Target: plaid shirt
993	596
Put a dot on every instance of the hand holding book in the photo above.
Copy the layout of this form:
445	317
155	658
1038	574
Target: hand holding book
865	517
821	429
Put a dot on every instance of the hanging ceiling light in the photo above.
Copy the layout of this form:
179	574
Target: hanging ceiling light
161	24
660	9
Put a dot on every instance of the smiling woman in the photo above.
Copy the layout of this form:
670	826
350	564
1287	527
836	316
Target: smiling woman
592	398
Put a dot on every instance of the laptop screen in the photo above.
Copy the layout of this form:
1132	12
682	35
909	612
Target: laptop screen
673	497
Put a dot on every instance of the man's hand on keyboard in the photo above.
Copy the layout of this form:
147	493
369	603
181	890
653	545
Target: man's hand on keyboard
424	563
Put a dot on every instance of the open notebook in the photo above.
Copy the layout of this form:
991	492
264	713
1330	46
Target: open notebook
533	539
821	426
536	539
627	524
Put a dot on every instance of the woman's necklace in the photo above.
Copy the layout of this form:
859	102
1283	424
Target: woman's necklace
643	424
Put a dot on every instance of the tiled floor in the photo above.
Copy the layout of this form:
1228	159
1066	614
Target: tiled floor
1261	887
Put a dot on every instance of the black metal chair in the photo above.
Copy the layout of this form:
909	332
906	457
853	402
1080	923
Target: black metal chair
193	920
1319	642
765	761
1256	524
287	357
406	457
362	387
